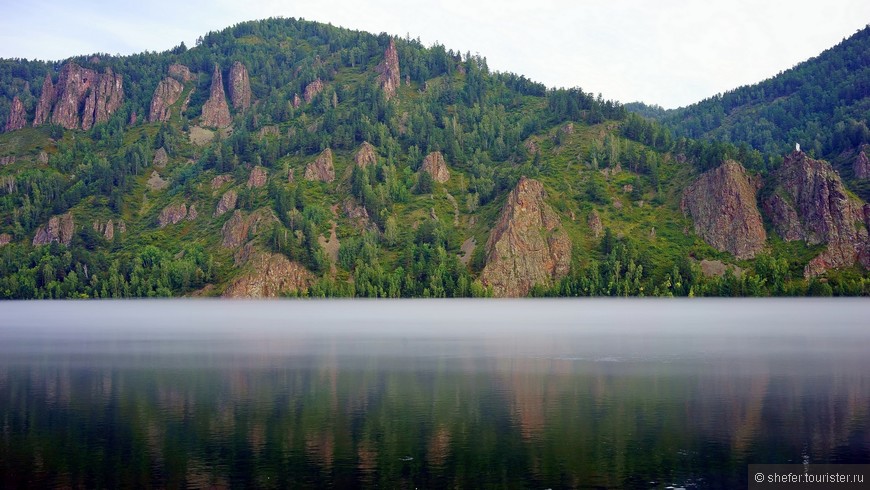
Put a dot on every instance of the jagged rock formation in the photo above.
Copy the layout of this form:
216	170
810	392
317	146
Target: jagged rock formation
227	203
240	87
723	207
180	73
527	245
165	95
388	71
321	169
5	239
366	155
192	214
268	276
296	101
46	101
236	230
357	215
160	158
312	89
861	166
58	229
809	203
435	166
98	96
215	111
155	182
172	214
17	116
257	178
105	100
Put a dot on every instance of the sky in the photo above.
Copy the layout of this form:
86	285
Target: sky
666	52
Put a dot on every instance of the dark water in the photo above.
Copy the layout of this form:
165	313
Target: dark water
428	394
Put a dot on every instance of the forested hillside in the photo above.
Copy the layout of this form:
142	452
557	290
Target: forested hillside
285	157
823	104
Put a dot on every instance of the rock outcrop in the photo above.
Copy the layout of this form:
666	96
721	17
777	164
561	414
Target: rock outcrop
165	95
435	166
258	177
240	87
226	203
722	204
58	229
221	180
106	229
215	111
527	245
239	227
312	89
366	155
388	71
5	239
321	169
861	165
172	214
17	116
180	73
46	102
595	225
81	97
160	158
810	203
105	100
269	275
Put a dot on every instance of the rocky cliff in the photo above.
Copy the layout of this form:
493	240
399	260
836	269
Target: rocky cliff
17	116
58	229
104	100
81	97
165	95
388	71
46	102
861	165
312	89
810	203
240	87
180	73
172	214
527	245
215	111
366	155
435	166
236	231
258	177
226	203
722	204
321	169
269	275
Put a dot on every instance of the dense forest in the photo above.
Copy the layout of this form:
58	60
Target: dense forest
388	228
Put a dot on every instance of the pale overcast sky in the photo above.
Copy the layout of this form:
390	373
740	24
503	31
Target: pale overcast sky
667	52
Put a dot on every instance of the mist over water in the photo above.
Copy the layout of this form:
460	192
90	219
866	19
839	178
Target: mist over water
429	393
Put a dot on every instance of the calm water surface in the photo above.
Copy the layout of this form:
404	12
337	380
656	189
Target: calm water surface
428	394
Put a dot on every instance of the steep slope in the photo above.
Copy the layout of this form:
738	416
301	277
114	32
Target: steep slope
340	163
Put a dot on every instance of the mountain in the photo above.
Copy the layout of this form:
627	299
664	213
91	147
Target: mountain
823	104
291	158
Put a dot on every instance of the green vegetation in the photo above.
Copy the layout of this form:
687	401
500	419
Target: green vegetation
401	233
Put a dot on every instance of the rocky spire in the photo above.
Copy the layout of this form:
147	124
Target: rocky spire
722	205
73	85
388	71
165	95
240	87
104	99
810	203
17	116
435	166
46	102
215	111
527	245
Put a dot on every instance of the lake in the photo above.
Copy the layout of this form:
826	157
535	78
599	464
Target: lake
429	393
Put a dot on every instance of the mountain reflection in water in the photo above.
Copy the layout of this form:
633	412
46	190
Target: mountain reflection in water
421	394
